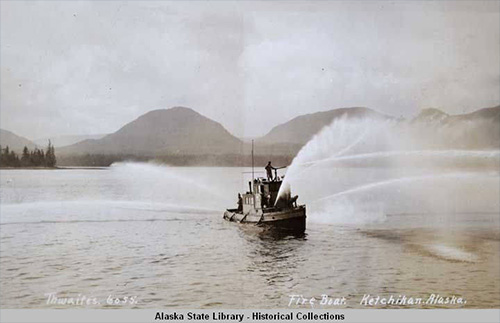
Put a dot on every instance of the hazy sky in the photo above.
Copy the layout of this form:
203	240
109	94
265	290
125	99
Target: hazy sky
77	67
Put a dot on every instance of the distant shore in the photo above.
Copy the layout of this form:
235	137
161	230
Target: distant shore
202	160
54	168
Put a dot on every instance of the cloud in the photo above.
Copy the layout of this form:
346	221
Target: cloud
90	67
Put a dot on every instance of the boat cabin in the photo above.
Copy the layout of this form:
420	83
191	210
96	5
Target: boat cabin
261	197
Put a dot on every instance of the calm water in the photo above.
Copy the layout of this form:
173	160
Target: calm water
157	233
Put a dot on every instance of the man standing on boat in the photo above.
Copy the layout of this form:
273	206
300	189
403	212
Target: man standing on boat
269	170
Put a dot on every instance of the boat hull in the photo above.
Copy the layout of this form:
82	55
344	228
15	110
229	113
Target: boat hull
293	219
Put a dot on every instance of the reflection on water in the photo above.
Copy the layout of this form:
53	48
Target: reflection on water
62	232
274	256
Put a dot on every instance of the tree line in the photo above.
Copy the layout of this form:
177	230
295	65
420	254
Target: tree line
29	158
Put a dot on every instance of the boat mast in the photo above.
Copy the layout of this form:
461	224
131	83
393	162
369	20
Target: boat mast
253	175
253	179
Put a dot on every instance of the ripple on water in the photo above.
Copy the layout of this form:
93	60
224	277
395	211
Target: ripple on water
176	263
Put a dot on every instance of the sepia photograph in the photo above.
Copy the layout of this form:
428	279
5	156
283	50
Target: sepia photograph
249	161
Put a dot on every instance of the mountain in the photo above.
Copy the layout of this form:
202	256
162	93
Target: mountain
61	141
181	136
435	115
491	114
430	115
175	131
476	130
301	129
15	142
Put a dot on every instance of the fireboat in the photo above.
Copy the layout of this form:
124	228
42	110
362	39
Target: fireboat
262	206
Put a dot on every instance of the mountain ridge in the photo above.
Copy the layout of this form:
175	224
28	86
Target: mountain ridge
15	142
66	140
177	130
301	129
181	131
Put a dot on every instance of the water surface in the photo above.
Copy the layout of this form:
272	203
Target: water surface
157	233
